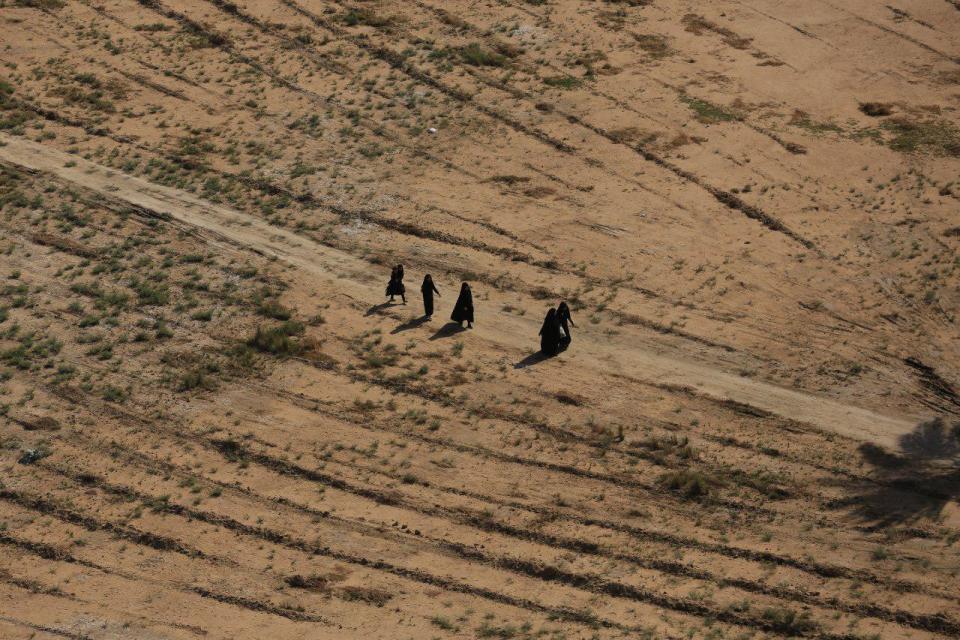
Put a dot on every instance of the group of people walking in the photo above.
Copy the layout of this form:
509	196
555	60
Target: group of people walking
554	334
462	310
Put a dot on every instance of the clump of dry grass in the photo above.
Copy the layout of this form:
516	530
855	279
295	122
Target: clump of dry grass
688	483
876	109
279	339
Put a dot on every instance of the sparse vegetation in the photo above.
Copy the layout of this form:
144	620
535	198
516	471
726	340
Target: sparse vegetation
688	483
278	339
204	396
477	55
932	136
707	112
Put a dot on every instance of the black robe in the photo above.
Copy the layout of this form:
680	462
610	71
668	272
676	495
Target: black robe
463	309
395	286
428	289
550	333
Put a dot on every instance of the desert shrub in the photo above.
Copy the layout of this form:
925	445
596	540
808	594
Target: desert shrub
562	82
486	630
163	330
803	120
30	456
764	482
203	316
875	109
664	447
278	339
273	309
369	595
707	112
443	622
12	118
41	4
477	56
152	28
367	17
654	45
687	483
789	621
150	294
201	38
94	99
114	394
311	582
195	379
101	351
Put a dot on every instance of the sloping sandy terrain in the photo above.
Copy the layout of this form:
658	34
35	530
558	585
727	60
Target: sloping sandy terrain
212	425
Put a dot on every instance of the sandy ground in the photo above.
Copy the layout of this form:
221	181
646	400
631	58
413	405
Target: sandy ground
600	353
213	425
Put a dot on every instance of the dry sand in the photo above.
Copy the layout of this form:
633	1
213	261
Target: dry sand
211	424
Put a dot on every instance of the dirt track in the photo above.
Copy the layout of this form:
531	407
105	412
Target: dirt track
614	356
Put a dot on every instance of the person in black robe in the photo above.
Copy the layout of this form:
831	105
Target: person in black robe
463	309
395	286
428	289
550	334
563	316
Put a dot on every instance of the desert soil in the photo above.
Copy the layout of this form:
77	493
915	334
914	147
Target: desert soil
213	425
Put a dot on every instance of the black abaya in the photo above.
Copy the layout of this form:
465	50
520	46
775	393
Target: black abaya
395	286
428	289
550	334
463	309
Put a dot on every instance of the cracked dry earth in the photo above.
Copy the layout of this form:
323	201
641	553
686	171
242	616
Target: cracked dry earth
212	426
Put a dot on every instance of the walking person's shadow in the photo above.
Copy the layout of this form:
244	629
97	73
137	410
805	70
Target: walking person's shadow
447	330
534	358
410	324
377	308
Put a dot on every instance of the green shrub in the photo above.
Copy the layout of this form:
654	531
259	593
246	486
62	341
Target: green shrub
163	331
479	57
150	294
278	339
195	379
688	483
366	17
789	621
562	82
31	456
114	394
273	309
707	112
202	316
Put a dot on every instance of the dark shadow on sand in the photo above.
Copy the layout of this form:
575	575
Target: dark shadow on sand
532	359
912	485
410	324
447	330
377	308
